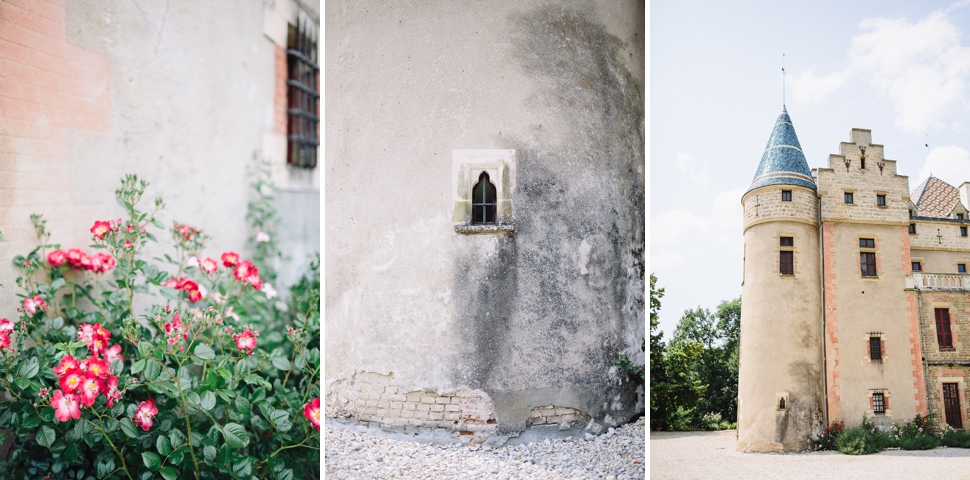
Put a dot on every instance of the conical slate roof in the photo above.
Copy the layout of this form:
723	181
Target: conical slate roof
783	162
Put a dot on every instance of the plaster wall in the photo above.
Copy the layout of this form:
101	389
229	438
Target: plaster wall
781	329
178	92
535	317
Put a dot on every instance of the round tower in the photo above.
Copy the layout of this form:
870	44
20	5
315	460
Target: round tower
780	386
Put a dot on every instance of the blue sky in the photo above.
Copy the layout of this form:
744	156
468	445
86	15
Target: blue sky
901	69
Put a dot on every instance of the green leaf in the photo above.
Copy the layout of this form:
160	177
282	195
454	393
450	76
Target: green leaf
235	435
46	436
177	456
29	368
299	362
251	378
281	363
169	473
129	428
104	466
151	460
58	283
208	401
138	366
281	419
244	467
22	383
225	455
72	454
243	405
177	437
163	445
31	422
209	452
152	369
204	352
145	349
285	474
193	398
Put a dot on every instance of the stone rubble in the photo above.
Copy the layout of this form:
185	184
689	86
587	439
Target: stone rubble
617	455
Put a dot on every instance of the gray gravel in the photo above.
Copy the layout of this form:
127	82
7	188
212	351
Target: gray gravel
615	455
707	455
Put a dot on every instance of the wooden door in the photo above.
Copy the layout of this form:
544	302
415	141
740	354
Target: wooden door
951	405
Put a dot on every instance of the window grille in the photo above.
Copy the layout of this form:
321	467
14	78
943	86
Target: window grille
483	201
302	94
878	403
875	348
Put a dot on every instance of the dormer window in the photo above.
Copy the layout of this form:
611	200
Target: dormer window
483	201
959	216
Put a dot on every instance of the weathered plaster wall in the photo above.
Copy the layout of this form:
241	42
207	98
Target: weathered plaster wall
179	92
531	318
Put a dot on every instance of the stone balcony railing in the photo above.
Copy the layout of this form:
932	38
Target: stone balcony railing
938	281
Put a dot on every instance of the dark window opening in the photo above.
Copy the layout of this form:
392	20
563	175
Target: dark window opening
786	195
875	348
781	403
787	242
912	228
959	216
917	267
863	162
951	405
867	243
787	263
868	262
910	214
848	197
881	200
943	335
302	95
878	403
483	201
963	231
962	268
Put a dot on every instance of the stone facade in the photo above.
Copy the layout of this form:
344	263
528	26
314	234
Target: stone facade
861	212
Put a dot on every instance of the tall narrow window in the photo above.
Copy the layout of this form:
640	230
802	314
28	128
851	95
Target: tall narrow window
302	95
867	262
788	263
912	228
786	195
881	200
483	201
875	348
878	403
951	405
943	335
963	231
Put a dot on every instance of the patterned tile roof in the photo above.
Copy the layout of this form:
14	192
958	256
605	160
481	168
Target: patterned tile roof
935	198
783	162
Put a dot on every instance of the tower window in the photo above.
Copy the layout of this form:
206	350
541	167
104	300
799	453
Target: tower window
963	231
787	242
863	163
483	201
943	335
881	200
959	216
961	268
912	228
848	197
867	261
867	243
878	403
875	348
786	195
787	263
917	267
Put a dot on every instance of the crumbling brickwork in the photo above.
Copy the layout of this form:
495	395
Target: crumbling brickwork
564	417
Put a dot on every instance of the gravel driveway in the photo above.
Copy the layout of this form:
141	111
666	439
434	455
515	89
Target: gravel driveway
613	456
707	455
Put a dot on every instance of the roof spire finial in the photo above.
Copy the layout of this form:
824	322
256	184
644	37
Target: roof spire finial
927	145
783	82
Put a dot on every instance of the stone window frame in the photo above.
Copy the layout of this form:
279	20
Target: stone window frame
782	401
467	167
881	195
882	346
886	395
848	197
917	265
954	340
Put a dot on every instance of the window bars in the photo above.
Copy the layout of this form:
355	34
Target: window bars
483	201
302	94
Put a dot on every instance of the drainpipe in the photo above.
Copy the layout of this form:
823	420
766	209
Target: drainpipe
821	256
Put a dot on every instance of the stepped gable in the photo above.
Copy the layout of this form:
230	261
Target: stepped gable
935	198
783	162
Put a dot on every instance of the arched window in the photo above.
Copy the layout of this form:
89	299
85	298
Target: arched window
483	201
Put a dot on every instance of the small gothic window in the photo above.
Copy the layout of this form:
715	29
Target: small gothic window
483	201
781	403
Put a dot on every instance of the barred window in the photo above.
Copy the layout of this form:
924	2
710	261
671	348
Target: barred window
302	95
878	403
875	348
483	201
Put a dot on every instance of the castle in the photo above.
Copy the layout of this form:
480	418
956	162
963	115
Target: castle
856	295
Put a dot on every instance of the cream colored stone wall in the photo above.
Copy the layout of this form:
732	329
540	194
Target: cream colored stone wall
940	261
940	235
864	184
781	336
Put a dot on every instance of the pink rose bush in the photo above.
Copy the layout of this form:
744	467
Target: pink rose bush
209	381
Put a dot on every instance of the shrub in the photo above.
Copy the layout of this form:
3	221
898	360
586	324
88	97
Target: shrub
915	435
921	442
857	441
954	438
826	441
196	386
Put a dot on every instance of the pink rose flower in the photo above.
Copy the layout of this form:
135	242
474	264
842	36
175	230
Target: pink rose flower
208	265
65	406
56	258
246	340
229	259
101	228
312	412
145	413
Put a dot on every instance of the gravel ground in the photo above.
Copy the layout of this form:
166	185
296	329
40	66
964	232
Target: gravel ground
706	455
614	456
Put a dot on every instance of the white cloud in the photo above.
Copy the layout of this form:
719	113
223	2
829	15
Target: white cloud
676	234
697	173
810	88
922	66
949	163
